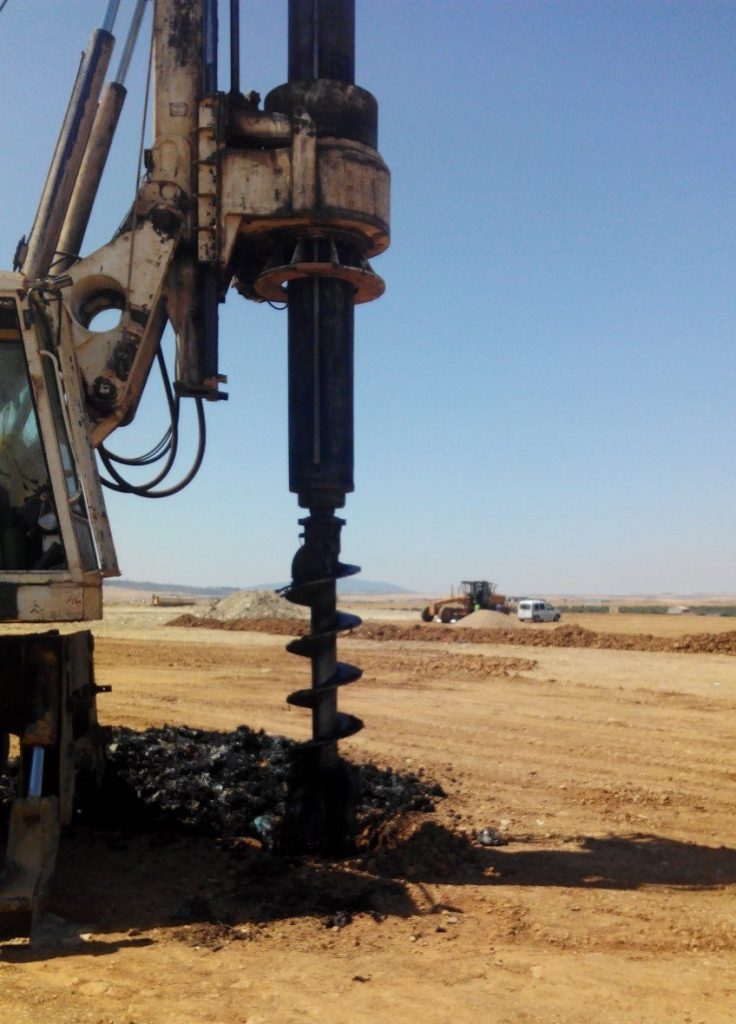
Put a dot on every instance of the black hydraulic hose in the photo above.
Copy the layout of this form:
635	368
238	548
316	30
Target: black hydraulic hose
154	481
171	448
150	457
163	446
168	445
144	490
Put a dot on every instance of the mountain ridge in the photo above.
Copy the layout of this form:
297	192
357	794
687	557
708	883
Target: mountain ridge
347	586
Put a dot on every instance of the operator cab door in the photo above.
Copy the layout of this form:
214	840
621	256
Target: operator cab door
55	543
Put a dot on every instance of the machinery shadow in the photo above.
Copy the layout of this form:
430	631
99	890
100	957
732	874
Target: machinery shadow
120	881
625	862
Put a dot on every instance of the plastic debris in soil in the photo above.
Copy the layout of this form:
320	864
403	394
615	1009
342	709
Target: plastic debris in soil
8	778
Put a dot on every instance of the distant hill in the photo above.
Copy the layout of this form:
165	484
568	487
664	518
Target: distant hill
355	585
169	588
352	585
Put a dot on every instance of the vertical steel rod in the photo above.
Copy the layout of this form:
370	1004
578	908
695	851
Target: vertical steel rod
234	46
110	15
321	325
35	782
209	85
322	40
130	42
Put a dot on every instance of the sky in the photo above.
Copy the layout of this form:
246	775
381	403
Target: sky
545	393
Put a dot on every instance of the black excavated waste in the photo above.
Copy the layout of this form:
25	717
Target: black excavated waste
235	783
8	778
225	784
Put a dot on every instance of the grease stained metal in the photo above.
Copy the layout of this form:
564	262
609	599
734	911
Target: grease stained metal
182	41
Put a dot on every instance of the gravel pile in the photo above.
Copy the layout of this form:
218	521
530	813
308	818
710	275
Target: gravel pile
234	784
256	604
486	618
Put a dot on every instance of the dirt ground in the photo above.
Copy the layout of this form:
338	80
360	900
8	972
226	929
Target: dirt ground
607	774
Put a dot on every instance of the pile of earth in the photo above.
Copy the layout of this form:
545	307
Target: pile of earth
558	636
255	604
234	784
227	784
277	625
486	618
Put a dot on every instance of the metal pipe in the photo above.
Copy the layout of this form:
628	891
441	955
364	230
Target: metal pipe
321	318
208	287
130	42
321	324
322	40
90	174
321	312
209	83
110	14
254	127
234	46
68	155
98	149
35	781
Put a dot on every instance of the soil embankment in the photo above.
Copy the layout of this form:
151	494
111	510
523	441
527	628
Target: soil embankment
550	636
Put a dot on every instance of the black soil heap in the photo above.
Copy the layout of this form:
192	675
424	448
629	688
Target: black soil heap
227	784
235	783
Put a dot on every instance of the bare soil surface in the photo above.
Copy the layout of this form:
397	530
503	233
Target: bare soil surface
600	778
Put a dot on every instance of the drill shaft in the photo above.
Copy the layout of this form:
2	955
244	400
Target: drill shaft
321	318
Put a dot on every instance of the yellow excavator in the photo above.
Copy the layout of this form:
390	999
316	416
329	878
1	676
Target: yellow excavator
474	594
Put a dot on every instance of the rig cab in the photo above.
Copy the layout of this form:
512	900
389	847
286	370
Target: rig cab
55	541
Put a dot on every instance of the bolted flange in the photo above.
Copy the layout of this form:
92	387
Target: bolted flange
272	281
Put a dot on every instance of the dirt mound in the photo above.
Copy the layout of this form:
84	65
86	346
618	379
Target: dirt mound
235	783
486	618
559	636
268	624
256	604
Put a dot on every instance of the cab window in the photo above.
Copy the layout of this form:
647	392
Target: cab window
29	536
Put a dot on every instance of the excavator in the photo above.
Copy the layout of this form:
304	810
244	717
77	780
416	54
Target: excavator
284	202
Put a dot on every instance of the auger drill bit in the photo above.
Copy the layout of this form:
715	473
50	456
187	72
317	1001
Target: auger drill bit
321	305
320	813
321	473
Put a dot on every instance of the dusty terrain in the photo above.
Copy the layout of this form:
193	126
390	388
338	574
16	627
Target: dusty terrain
608	774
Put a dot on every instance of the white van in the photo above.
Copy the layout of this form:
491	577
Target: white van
535	610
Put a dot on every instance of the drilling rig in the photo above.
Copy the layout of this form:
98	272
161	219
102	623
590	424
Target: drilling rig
286	202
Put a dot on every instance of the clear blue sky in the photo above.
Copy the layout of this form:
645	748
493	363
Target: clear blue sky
545	394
